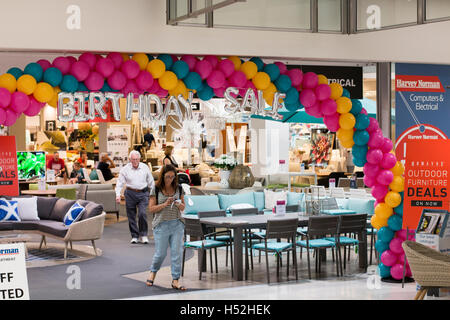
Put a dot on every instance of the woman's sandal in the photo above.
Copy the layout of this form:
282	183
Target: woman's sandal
150	282
181	288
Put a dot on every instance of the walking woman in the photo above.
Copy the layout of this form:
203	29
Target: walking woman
167	203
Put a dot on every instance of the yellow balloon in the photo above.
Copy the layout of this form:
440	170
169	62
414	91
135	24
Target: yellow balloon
398	169
157	68
141	59
237	62
398	184
168	81
54	100
26	84
179	89
250	69
336	90
261	81
344	105
383	210
345	134
347	121
378	222
8	81
347	143
125	56
44	92
393	199
322	79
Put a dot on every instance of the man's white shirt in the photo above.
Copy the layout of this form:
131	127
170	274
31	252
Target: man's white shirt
139	178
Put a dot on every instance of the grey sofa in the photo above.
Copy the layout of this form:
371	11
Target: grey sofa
51	212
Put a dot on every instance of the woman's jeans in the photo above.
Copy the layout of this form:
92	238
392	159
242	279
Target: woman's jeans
168	233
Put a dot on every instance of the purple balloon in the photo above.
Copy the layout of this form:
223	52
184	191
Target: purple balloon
105	66
379	191
397	271
130	69
388	258
204	69
389	160
117	80
2	116
373	125
385	177
94	81
89	58
63	64
226	66
396	246
376	139
238	79
216	79
144	80
296	76
5	98
374	156
44	63
80	70
328	107
332	122
116	58
310	80
322	91
307	97
19	102
10	117
34	107
370	169
192	61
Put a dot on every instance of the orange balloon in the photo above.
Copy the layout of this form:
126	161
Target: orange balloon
237	62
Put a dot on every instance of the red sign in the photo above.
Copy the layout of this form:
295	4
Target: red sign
9	181
427	167
418	83
107	107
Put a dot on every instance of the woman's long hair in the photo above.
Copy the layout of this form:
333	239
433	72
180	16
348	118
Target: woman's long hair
160	184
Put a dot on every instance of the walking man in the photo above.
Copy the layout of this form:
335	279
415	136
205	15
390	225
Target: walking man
138	180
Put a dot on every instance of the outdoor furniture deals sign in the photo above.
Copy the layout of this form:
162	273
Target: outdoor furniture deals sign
9	181
13	272
427	168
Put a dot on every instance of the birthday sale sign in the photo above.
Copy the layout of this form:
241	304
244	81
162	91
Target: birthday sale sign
427	167
9	182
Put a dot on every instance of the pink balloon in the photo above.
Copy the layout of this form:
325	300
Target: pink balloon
248	85
373	125
226	66
130	69
2	116
144	80
204	69
307	97
130	87
191	61
155	87
95	81
213	60
71	59
237	79
310	80
370	169
402	256
328	106
281	66
369	181
332	122
385	177
19	102
376	139
105	66
44	63
219	92
10	118
5	98
80	70
116	58
174	58
323	91
363	111
34	107
296	76
389	160
63	64
162	93
216	79
387	145
396	246
314	111
89	58
388	258
379	192
402	234
397	271
117	80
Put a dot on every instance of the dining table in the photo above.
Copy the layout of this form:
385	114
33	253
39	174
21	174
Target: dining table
242	222
42	193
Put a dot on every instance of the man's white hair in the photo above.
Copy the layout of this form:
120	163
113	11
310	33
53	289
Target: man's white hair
134	152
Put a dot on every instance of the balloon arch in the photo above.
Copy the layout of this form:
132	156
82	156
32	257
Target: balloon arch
27	91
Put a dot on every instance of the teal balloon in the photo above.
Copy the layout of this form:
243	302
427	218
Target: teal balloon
361	137
395	222
385	234
206	93
385	271
292	97
359	151
283	83
150	57
82	87
359	162
362	121
381	246
181	69
346	93
399	209
16	72
292	106
69	83
272	70
193	81
107	88
259	63
53	76
356	107
167	59
35	70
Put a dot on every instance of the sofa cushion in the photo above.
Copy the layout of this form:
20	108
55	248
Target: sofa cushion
56	228
92	209
342	203
26	225
60	209
45	206
27	208
8	210
361	205
74	214
6	226
271	197
294	198
196	203
226	200
259	200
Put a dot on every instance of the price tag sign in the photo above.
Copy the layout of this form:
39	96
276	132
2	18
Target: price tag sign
332	182
13	272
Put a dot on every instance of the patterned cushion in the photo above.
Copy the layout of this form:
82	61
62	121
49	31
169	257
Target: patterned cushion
273	246
8	210
74	214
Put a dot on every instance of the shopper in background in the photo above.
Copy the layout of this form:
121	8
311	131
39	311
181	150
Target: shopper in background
77	175
167	203
57	164
149	139
105	165
82	160
138	180
169	159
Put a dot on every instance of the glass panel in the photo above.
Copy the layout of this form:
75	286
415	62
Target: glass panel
436	9
329	15
376	14
290	14
179	8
